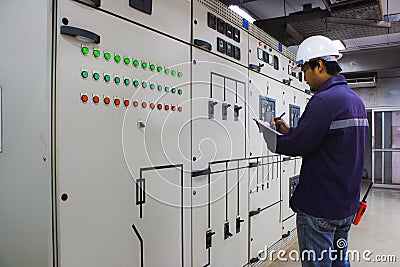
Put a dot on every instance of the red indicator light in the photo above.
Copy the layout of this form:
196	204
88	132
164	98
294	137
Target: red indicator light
135	104
180	109
173	108
144	105
106	100
96	99
166	107
126	102
84	98
152	105
159	106
117	102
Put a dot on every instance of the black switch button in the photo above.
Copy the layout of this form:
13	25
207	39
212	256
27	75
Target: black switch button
221	26
229	30
221	45
266	57
237	53
236	35
211	21
276	62
229	49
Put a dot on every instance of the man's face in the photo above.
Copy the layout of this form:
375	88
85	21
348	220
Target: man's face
310	76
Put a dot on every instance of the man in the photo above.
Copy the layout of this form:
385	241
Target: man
330	136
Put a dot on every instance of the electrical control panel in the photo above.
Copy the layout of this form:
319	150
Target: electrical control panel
146	119
123	143
220	32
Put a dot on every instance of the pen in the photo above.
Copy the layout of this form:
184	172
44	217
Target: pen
280	117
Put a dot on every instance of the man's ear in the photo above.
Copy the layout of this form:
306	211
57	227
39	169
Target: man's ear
320	66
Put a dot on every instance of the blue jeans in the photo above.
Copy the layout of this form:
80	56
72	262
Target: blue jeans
323	242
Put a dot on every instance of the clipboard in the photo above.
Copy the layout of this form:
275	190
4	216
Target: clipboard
266	126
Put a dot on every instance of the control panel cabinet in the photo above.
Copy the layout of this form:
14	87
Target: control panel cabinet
123	146
220	179
140	134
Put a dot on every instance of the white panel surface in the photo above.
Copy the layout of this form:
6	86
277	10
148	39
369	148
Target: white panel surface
125	169
171	17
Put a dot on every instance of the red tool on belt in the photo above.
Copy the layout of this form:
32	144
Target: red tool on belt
363	207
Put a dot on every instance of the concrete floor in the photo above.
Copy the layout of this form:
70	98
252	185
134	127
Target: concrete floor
378	231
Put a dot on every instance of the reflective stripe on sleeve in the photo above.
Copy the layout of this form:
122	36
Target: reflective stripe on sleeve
349	123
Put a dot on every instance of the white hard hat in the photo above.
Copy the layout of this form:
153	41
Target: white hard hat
316	47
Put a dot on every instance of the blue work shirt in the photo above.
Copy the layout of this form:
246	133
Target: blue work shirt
330	136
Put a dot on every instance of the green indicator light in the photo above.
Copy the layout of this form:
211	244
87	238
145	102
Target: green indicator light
166	89
152	67
136	63
152	86
127	81
159	88
96	76
159	69
107	56
117	79
127	60
85	50
144	84
180	91
84	74
136	83
180	74
173	90
144	65
166	71
107	78
117	58
96	53
173	72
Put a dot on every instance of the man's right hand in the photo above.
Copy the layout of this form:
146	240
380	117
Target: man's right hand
280	125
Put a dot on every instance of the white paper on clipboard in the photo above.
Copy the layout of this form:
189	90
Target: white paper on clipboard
265	126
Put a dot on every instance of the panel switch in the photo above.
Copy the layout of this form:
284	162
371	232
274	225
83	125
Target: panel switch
225	107
239	221
209	234
227	234
237	108
211	105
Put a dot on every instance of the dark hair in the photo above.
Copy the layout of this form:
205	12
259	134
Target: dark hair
332	67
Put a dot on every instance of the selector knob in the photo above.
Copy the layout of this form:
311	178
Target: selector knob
237	108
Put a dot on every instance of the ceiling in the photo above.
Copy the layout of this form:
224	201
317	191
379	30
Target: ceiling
359	24
369	29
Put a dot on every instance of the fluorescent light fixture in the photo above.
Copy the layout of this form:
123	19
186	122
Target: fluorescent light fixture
242	13
339	45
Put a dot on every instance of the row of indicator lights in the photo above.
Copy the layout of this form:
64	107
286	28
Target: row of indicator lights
126	103
127	82
128	61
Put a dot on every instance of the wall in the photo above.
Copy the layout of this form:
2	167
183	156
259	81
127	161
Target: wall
386	93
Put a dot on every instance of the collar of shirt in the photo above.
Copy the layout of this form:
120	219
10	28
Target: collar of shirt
337	79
